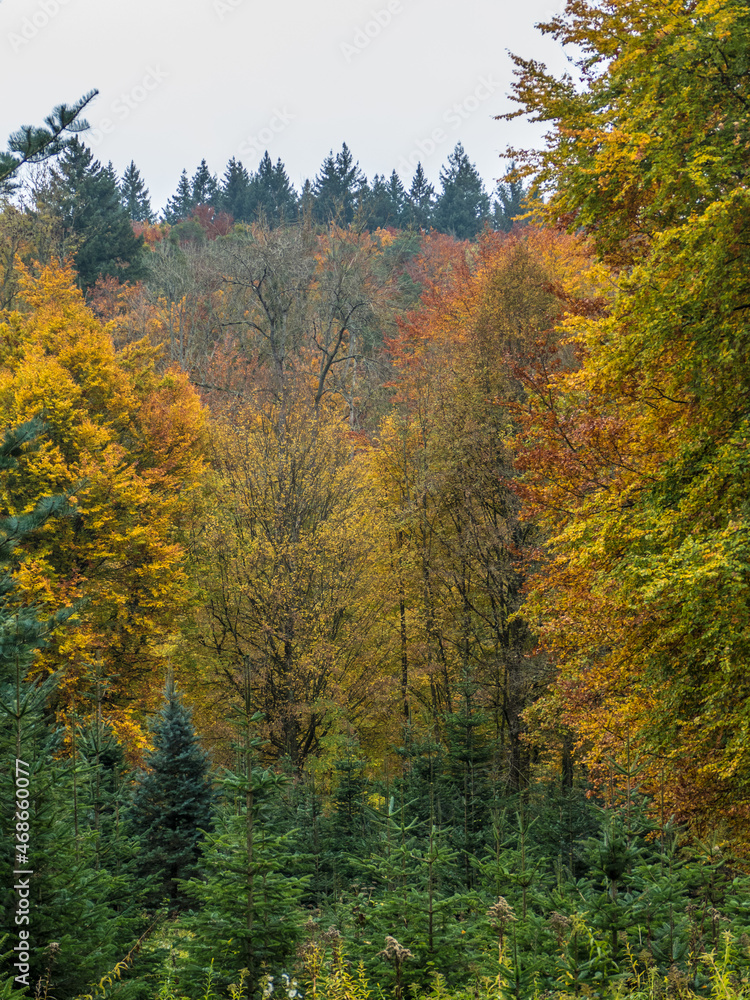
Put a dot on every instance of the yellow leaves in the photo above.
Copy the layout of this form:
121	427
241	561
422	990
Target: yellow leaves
129	442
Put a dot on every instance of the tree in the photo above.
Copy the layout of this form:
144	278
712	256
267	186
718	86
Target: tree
128	441
510	203
84	202
385	202
34	144
82	900
639	480
338	188
420	201
235	191
134	194
172	803
204	188
181	204
462	207
272	198
283	558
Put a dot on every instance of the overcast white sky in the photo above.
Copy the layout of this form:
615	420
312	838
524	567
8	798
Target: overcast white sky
398	80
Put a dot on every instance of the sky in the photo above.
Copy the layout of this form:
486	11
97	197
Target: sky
397	80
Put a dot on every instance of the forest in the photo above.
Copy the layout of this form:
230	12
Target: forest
375	562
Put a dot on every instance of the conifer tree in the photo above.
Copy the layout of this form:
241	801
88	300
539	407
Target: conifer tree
385	202
172	803
84	201
463	206
34	144
181	204
510	202
204	188
420	201
235	191
339	188
135	196
272	197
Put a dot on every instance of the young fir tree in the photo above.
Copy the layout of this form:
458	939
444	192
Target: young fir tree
135	196
172	803
463	206
249	885
84	201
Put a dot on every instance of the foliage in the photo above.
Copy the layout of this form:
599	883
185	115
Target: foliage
638	451
129	442
34	144
171	808
90	223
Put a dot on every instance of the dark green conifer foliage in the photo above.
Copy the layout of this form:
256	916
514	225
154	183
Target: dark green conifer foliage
510	202
463	206
420	201
181	204
385	201
84	199
34	143
135	195
272	199
339	188
235	191
250	880
172	803
204	187
469	771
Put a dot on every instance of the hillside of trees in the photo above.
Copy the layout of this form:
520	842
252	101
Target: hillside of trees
375	563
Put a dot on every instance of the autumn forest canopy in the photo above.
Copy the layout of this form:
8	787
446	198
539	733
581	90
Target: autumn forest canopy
375	562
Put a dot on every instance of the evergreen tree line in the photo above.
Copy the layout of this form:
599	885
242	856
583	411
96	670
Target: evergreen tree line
339	191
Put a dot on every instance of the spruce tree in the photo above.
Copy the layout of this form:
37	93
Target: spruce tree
510	202
181	204
84	200
339	188
235	191
135	197
463	206
420	201
385	202
204	187
272	197
172	803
